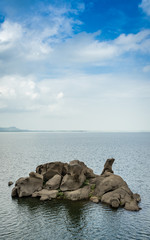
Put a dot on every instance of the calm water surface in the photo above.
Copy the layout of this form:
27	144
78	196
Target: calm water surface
29	218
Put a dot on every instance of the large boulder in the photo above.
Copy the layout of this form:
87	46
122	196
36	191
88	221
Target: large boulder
49	170
45	194
70	182
108	183
118	197
74	169
88	172
77	173
79	194
26	186
74	177
53	183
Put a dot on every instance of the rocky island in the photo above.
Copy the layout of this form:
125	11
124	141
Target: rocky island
75	181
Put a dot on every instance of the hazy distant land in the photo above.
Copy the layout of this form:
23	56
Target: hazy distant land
14	129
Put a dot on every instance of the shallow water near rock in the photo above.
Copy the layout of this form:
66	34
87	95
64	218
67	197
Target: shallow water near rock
28	218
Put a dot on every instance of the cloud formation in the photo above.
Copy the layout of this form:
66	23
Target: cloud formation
21	48
51	68
25	94
145	5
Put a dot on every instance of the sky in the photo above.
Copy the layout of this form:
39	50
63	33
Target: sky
75	65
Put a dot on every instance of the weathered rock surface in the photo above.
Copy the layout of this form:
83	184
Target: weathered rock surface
26	186
70	182
94	199
75	181
79	194
10	183
108	166
45	194
109	183
49	170
54	182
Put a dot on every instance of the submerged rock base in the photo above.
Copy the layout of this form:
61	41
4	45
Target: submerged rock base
75	181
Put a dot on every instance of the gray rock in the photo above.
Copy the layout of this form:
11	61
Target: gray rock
137	197
76	175
132	205
88	172
10	183
44	198
94	199
108	166
26	186
45	194
71	182
76	182
49	170
14	192
121	197
79	194
108	183
54	182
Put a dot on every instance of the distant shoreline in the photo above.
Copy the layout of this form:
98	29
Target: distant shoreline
14	129
17	130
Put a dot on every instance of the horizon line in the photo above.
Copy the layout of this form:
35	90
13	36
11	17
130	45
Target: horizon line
14	129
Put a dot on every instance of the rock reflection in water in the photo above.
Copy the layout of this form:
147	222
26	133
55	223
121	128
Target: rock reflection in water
65	218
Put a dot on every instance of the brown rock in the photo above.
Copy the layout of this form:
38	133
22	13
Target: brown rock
108	166
14	192
54	182
44	198
94	199
88	172
79	194
48	170
107	184
70	183
26	186
71	178
137	197
10	183
121	196
45	194
132	205
36	175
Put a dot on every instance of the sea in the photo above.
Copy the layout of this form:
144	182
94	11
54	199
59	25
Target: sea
30	218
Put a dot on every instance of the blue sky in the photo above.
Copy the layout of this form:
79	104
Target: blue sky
75	64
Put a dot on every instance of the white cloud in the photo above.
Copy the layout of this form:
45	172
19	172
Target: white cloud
9	34
51	47
43	72
67	102
146	68
19	93
134	42
145	5
60	95
34	38
85	49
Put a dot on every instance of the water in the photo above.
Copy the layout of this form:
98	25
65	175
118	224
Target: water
31	219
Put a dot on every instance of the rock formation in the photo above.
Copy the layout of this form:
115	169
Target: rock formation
75	181
10	183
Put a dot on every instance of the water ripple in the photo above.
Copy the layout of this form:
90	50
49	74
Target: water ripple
31	219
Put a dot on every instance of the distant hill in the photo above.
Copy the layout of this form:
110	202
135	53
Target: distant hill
14	129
